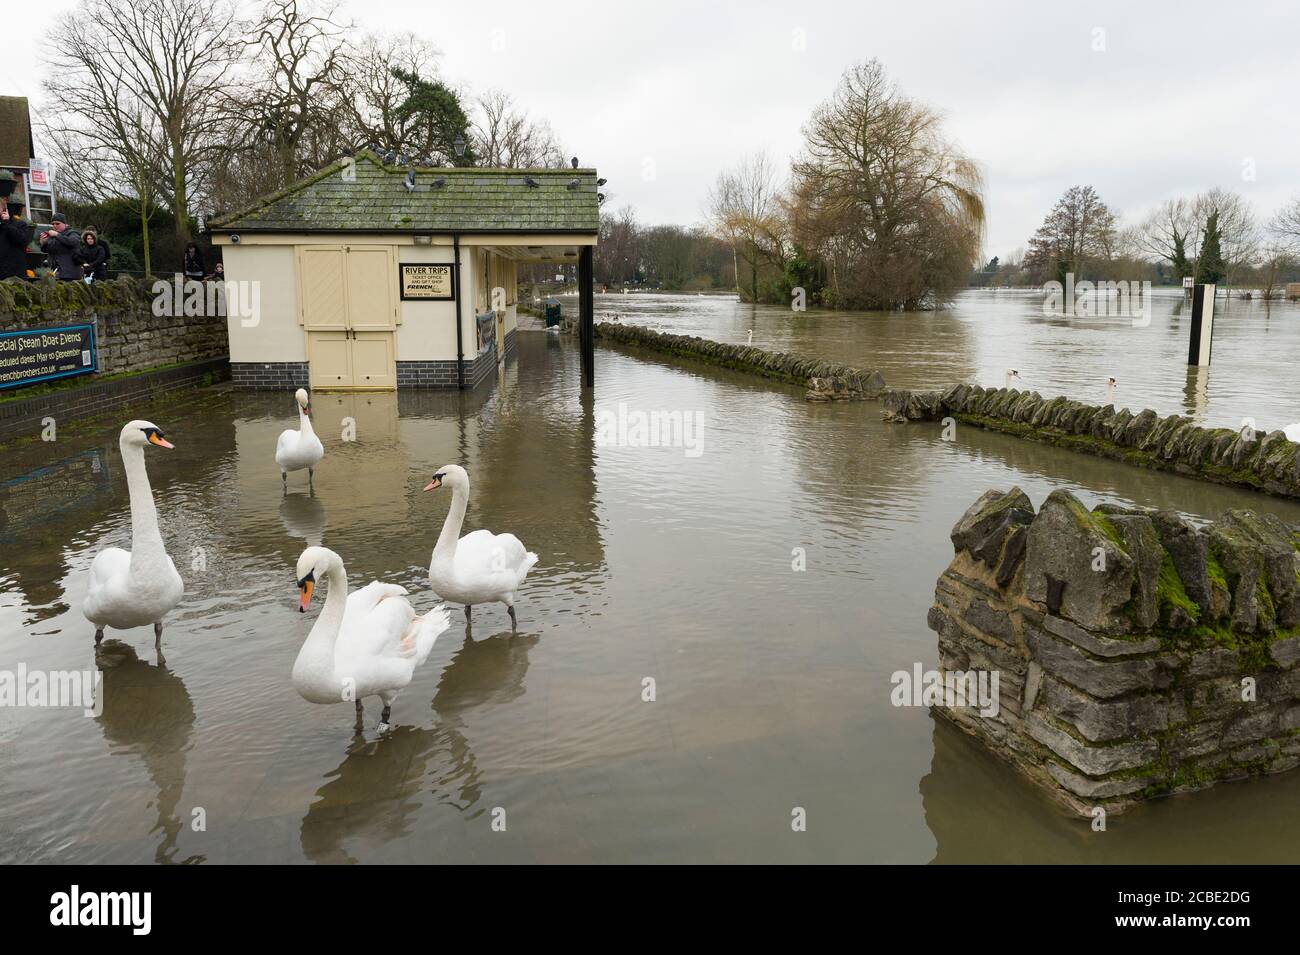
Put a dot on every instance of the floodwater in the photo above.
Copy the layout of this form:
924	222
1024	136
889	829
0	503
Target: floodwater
1254	370
771	685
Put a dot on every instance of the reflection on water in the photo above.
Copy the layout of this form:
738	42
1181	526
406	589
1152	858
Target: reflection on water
986	331
772	685
148	715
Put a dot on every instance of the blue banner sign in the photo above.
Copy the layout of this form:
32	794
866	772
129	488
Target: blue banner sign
44	354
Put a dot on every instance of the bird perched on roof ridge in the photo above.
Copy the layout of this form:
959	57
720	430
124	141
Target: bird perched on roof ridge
574	162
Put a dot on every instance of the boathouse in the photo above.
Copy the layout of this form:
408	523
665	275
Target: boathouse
375	276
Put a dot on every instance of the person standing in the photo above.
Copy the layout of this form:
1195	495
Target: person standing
93	255
62	244
15	233
193	263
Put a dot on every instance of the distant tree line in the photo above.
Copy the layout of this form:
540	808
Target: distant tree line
669	257
181	108
1214	237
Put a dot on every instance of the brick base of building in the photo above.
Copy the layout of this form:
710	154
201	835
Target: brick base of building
268	375
442	374
279	375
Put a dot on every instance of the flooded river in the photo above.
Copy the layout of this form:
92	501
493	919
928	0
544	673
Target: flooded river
771	685
1255	369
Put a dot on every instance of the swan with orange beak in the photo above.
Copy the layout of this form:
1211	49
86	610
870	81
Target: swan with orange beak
136	587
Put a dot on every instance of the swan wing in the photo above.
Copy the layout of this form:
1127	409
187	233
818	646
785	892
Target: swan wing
108	574
285	446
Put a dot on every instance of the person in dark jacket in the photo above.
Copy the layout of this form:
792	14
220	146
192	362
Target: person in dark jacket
62	243
15	233
193	263
93	255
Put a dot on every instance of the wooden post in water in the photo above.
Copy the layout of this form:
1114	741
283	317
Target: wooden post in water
1198	350
586	317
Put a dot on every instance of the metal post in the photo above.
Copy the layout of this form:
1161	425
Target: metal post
586	316
460	294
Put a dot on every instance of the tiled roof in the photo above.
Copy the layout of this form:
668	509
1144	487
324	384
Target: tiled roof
365	195
15	132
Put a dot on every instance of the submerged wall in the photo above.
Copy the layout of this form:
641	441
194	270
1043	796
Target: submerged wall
825	380
1265	462
1137	654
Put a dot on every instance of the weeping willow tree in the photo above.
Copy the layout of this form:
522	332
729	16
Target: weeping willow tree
894	209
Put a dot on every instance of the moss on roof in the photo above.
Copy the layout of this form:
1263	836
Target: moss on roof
365	195
15	132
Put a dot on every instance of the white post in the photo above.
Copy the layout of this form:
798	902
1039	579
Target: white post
1198	351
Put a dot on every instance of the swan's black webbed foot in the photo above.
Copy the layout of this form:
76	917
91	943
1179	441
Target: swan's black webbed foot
99	635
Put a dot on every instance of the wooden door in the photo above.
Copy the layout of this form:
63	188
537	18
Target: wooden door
329	357
373	364
371	276
322	304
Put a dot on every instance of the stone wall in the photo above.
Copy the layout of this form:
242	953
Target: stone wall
1265	462
1137	654
128	335
825	380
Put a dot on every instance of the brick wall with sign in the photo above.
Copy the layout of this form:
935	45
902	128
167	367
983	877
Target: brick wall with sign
156	353
129	336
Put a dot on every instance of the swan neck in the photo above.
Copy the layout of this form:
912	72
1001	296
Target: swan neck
446	546
304	423
146	539
320	642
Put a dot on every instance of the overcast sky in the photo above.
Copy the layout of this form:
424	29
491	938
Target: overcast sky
1142	100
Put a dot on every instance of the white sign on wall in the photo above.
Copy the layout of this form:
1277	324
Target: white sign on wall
39	174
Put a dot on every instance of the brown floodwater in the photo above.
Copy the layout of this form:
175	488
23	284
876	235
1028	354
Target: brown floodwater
771	685
1253	372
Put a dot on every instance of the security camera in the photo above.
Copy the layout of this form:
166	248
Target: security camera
234	238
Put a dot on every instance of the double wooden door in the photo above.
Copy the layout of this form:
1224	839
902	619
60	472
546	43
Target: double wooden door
349	311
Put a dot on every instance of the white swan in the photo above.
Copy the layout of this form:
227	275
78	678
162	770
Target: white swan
1111	385
750	340
1292	432
1011	375
363	644
299	449
1248	430
132	588
480	567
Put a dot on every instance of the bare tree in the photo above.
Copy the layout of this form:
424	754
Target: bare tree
506	137
895	208
290	106
1176	229
170	59
745	209
1078	234
1285	225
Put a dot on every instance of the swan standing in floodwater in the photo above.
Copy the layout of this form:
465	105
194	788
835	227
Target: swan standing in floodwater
136	587
363	644
299	449
1011	375
480	567
1111	385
